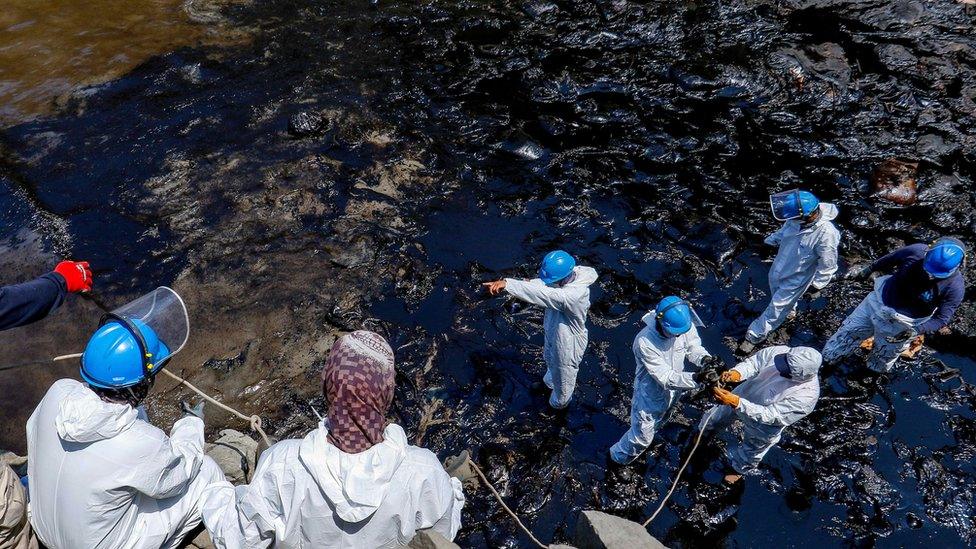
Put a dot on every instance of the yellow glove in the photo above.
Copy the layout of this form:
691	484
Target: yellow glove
726	397
731	376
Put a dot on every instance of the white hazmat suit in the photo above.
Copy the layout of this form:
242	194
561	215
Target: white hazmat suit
659	381
807	257
101	476
308	493
768	402
564	327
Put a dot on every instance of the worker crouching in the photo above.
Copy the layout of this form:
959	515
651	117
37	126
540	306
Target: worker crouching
100	475
779	386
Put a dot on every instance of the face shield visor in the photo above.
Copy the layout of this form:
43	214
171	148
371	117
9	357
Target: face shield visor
159	323
786	205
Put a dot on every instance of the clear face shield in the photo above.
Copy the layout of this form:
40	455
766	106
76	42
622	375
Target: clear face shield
159	322
786	205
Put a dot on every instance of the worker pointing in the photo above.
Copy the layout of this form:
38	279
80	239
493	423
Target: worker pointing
563	288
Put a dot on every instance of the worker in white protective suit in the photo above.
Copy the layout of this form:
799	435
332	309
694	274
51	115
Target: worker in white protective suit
100	475
780	387
669	340
352	482
807	256
563	288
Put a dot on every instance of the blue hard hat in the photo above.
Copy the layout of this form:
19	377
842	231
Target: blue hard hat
113	358
944	257
556	266
674	315
793	204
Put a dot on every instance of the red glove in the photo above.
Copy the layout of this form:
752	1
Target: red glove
77	274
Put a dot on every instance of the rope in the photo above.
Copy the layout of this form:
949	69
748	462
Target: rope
255	420
39	362
507	510
682	470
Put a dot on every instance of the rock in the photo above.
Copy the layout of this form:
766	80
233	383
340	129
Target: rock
459	467
201	541
596	530
307	124
894	180
236	454
825	64
431	539
934	148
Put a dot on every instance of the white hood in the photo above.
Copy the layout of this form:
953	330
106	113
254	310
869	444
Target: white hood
84	417
584	276
828	212
355	483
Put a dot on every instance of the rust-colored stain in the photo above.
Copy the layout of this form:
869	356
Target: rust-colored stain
894	180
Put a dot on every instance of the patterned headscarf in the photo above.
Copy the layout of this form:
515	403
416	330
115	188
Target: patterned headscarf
358	383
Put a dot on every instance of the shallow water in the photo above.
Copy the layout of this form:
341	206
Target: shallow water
50	49
465	140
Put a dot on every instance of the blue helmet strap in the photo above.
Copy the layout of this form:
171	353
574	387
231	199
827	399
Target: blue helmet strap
660	314
147	363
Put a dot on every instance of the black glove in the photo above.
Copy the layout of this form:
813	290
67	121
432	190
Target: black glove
862	272
711	368
902	336
196	411
714	362
707	376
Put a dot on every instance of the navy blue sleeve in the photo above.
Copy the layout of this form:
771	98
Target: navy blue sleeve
949	300
31	301
899	258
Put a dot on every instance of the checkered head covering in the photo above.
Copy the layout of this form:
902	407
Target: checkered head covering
358	384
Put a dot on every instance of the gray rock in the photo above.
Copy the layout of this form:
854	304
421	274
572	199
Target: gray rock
430	539
236	454
596	530
201	541
307	124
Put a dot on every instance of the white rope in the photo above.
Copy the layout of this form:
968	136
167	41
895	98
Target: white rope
502	502
677	477
255	420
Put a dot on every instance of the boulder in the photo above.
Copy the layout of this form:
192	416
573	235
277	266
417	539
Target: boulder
894	180
431	539
596	530
200	541
235	454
